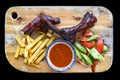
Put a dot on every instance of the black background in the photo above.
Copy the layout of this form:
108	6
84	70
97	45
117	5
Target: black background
8	72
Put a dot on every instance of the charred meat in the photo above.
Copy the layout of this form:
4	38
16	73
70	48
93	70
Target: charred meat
45	22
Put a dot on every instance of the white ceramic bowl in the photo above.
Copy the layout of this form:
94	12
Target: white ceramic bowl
72	62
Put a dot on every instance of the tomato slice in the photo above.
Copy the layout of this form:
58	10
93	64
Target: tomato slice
100	45
88	44
87	33
94	65
82	38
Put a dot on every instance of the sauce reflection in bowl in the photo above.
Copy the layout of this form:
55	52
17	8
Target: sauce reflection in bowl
60	55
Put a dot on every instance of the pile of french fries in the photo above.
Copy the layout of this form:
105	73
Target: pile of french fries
33	50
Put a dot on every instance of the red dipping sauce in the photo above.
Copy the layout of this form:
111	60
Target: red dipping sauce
60	55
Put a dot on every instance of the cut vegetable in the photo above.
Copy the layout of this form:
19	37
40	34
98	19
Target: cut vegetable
83	57
87	59
80	47
78	54
93	37
100	45
105	48
95	54
82	38
93	67
88	33
79	61
88	44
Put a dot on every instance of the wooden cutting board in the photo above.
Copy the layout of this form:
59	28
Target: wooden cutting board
25	14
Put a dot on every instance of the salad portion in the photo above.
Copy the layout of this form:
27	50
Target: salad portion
90	49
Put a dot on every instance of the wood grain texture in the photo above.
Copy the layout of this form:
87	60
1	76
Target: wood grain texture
27	14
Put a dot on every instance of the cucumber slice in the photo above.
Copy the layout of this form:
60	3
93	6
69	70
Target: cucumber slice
78	54
83	57
95	54
87	59
105	48
93	37
80	47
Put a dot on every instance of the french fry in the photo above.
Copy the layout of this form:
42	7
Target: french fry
31	39
35	48
51	39
24	40
42	33
28	39
39	54
22	44
26	36
21	51
25	60
38	50
31	62
32	50
48	35
22	48
26	53
30	54
35	41
17	52
40	58
22	33
34	65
